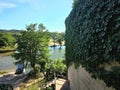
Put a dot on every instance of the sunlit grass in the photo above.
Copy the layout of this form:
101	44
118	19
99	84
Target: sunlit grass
6	51
32	87
2	72
32	84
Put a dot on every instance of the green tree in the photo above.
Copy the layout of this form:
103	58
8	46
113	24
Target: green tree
60	38
57	37
33	46
56	66
54	36
6	39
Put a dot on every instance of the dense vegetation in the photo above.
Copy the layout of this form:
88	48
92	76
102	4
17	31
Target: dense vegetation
33	46
93	39
7	39
57	68
57	37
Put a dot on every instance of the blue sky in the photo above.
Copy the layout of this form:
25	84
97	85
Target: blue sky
16	14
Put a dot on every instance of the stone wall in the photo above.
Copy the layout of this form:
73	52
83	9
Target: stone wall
81	80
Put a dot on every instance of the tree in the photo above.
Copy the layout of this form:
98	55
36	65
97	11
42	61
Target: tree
60	38
33	46
56	66
6	39
54	36
57	37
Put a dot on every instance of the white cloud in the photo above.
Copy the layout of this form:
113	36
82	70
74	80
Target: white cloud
5	5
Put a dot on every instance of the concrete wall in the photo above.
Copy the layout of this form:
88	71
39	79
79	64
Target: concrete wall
81	80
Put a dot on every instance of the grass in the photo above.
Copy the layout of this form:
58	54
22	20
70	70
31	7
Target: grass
6	54
2	72
33	82
6	51
34	86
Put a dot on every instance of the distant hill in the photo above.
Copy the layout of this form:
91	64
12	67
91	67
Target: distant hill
12	30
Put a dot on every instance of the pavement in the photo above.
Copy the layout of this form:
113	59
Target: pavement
60	83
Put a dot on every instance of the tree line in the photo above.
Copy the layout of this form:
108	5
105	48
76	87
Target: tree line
8	37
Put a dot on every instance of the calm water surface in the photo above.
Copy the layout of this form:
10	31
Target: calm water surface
7	62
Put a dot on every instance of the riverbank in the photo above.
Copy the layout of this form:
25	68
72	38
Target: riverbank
6	53
6	72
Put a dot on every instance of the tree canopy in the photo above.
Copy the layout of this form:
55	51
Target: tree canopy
57	37
56	66
33	45
6	39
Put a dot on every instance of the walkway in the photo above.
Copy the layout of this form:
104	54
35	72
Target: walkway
61	84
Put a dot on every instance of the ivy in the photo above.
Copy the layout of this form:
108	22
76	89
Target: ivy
93	38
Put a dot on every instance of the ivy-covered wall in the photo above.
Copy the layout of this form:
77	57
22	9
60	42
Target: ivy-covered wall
93	39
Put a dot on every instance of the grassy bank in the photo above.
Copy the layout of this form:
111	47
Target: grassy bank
2	72
32	84
6	54
6	51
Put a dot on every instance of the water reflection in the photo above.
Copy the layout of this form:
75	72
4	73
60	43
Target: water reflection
57	52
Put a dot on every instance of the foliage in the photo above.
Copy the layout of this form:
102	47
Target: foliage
49	88
34	86
57	37
61	38
2	72
107	76
7	39
93	38
35	73
74	2
56	66
33	46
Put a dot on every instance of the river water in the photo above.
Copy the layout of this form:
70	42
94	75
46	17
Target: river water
7	62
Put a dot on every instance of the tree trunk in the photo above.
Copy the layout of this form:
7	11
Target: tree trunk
33	66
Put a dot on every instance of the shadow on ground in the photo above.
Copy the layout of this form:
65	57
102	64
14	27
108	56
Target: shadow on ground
11	80
65	86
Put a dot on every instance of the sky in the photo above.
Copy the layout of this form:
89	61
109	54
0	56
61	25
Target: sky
16	14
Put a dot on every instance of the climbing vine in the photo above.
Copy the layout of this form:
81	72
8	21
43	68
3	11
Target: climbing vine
93	38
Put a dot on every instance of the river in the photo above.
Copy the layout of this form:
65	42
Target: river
7	62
